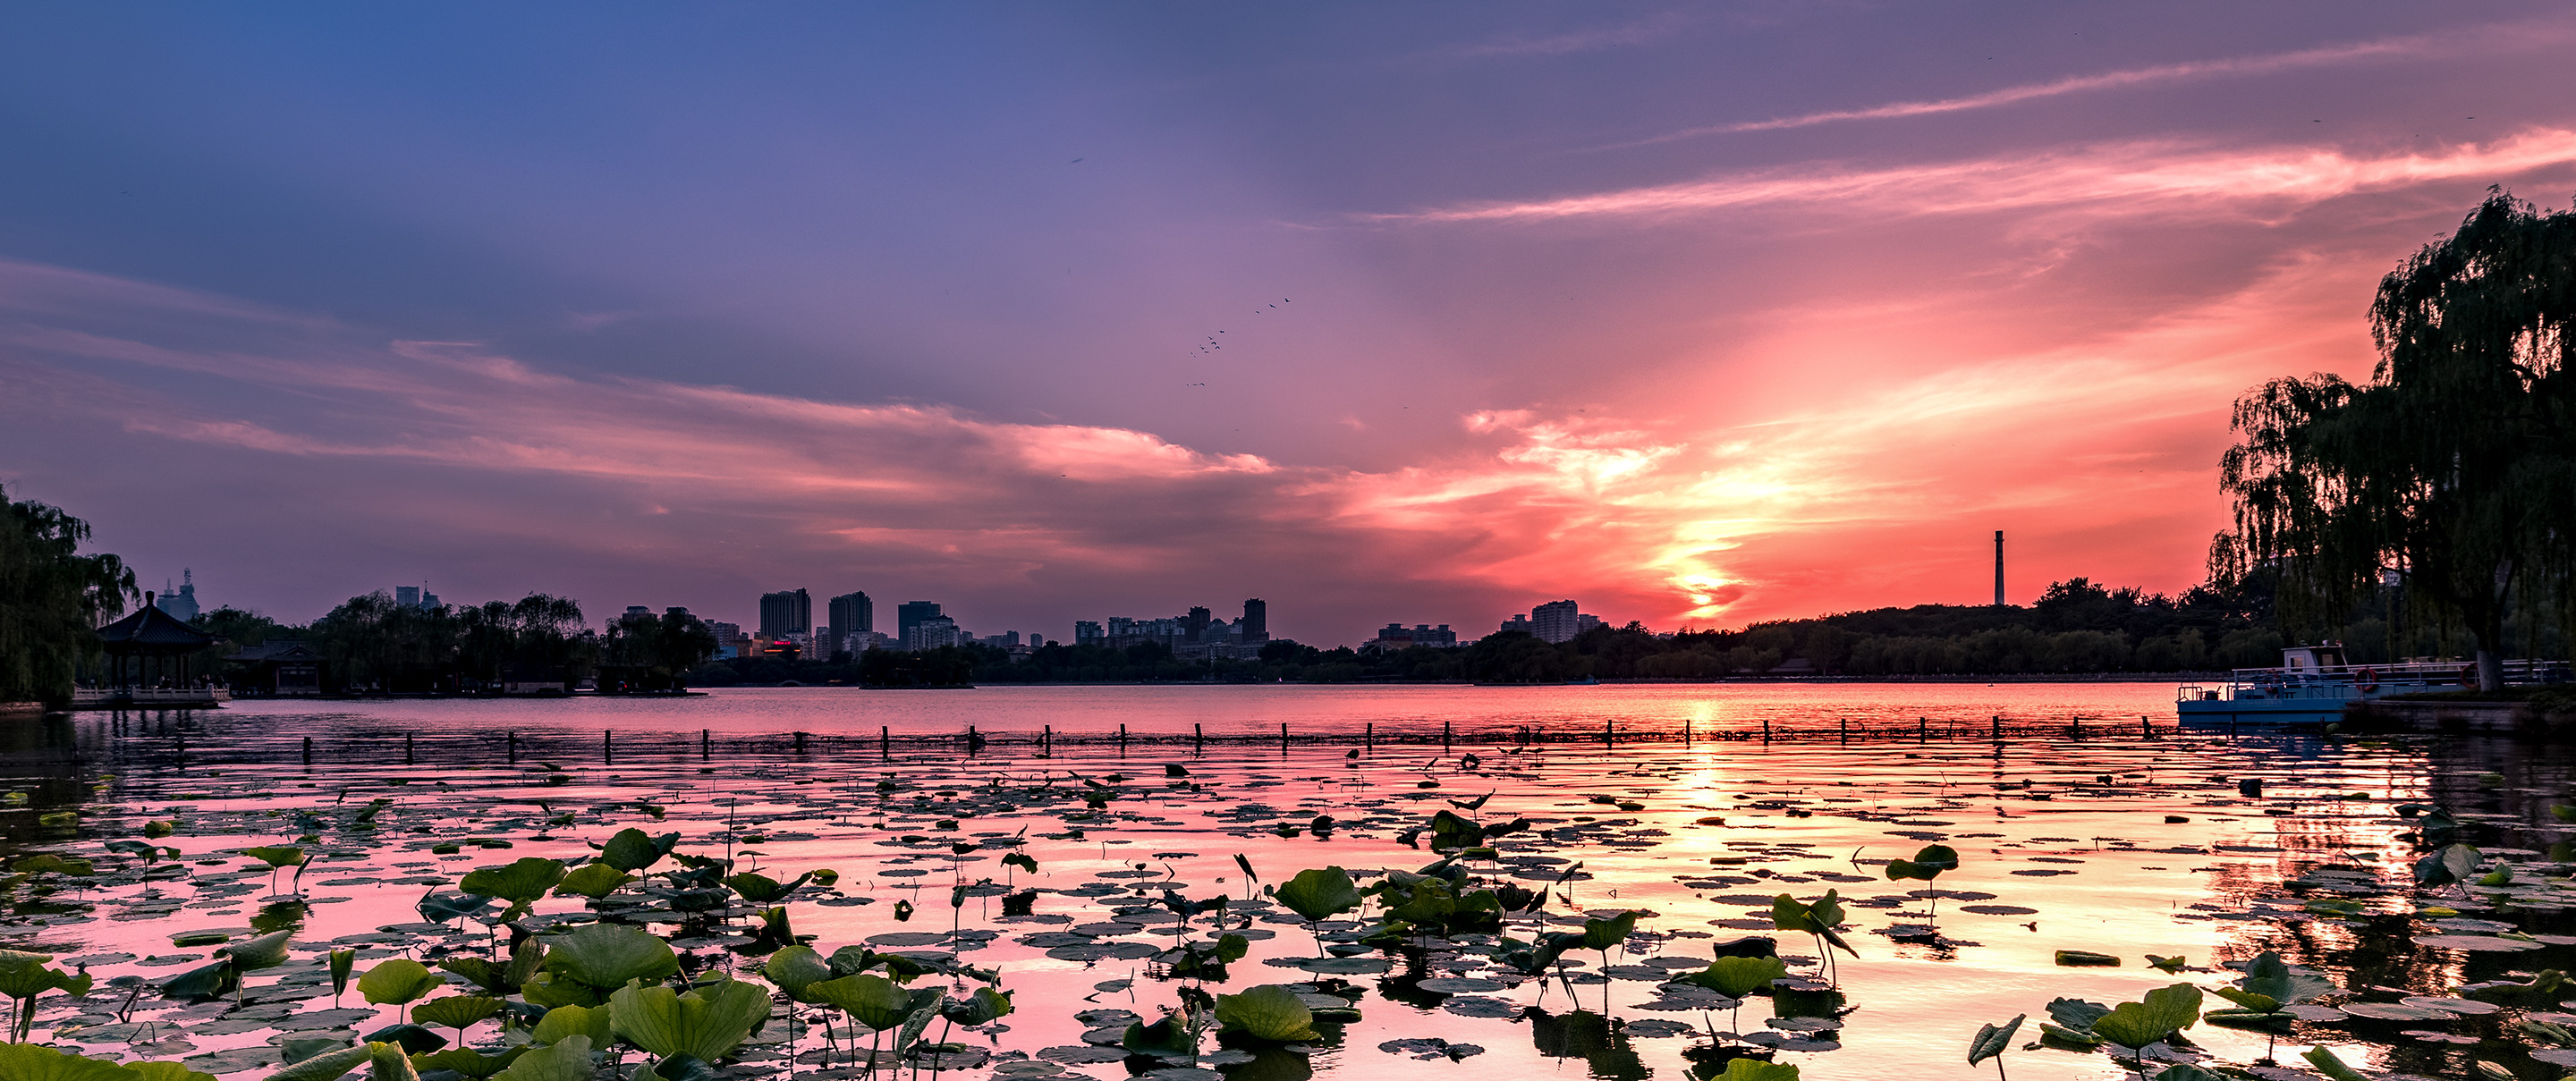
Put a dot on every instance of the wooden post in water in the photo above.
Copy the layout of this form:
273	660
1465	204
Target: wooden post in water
1686	733
1846	729
2145	730
1999	728
1122	737
885	743
1198	737
406	748
2075	726
607	746
1283	737
1046	740
514	746
1368	737
1609	737
308	750
800	741
1766	729
1444	735
706	743
1922	729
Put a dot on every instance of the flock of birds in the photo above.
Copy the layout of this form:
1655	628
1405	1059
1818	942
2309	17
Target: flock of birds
1215	342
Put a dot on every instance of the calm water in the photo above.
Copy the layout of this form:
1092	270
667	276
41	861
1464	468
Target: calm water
2065	845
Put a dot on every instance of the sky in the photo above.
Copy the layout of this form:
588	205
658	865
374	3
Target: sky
1699	314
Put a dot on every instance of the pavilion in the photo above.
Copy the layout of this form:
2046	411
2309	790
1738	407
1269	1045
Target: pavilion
146	650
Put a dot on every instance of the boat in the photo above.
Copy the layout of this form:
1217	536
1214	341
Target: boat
2313	684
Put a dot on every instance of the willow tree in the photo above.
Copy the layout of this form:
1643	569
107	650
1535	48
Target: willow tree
52	599
2453	468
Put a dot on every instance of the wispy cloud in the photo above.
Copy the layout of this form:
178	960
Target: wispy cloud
2412	46
2140	177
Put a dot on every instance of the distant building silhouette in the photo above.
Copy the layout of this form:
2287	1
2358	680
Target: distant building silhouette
909	615
1256	621
182	605
1088	633
932	632
787	613
1555	621
853	617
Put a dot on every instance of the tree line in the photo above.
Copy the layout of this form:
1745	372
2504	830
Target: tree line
372	644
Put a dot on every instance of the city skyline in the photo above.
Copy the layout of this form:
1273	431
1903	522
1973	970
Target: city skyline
1705	316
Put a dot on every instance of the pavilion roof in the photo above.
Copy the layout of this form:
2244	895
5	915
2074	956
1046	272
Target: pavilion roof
152	630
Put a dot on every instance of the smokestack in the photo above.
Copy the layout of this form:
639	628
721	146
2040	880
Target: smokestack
1999	568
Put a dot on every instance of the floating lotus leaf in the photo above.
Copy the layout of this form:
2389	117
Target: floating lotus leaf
565	1059
564	1022
1992	1040
276	855
266	951
592	880
167	1071
34	1062
521	882
1269	1013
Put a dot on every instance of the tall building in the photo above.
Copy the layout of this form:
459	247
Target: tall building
418	597
909	614
1195	625
1555	621
1088	633
181	604
1256	621
852	613
725	634
932	632
784	613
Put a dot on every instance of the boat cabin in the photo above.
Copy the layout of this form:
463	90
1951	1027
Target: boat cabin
2312	658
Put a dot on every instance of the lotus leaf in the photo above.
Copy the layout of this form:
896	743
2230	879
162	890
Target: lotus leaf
762	889
2449	865
343	962
1171	1035
2267	975
327	1066
1993	1040
276	855
548	989
203	982
34	1062
467	1061
795	968
2162	1013
413	1039
1021	860
24	977
1747	1069
389	1064
440	908
565	1059
873	1001
592	880
2086	959
1270	1013
397	981
1318	893
521	882
983	1007
564	1022
2326	1063
167	1071
631	850
2258	1003
459	1012
1736	977
1602	934
607	955
707	1023
266	951
293	1049
498	978
2075	1013
1926	864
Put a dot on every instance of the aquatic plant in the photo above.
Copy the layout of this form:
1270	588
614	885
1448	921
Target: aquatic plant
24	978
1820	918
1992	1041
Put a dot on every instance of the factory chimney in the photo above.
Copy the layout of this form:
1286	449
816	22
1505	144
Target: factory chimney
1999	568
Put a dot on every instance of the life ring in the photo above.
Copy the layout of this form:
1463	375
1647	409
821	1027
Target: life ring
2366	679
2468	675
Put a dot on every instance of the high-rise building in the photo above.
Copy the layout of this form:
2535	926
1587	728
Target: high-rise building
909	614
1519	623
852	613
407	596
932	632
786	612
1088	633
725	634
1256	621
1555	621
181	603
1194	626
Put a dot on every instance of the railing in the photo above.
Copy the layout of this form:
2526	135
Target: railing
2340	680
148	696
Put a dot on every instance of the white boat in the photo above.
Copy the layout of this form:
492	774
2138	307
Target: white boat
2313	684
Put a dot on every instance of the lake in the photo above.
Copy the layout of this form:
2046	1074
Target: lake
2064	842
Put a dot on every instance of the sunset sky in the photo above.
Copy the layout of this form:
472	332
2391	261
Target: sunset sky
1698	314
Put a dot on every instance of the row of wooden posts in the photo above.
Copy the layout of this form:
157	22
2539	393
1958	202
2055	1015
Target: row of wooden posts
1520	735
